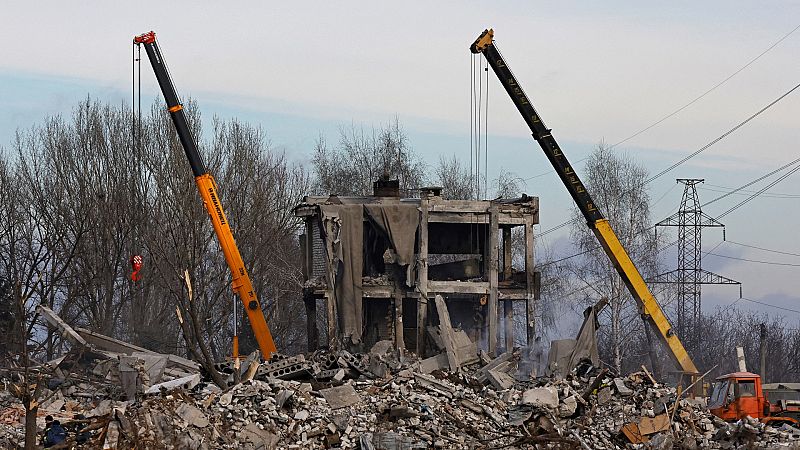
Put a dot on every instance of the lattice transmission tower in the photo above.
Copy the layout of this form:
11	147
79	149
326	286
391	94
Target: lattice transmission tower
690	275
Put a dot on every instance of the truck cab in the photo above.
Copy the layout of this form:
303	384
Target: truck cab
738	395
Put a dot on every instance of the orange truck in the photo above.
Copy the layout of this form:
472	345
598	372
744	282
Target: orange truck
741	394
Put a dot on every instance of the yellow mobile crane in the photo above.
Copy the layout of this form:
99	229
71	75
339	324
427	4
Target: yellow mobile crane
208	191
648	305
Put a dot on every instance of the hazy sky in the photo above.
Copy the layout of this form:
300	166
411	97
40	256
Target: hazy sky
595	70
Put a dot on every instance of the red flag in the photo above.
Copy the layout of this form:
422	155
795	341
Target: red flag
136	263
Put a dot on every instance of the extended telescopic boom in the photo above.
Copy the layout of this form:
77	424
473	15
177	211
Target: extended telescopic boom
208	191
648	305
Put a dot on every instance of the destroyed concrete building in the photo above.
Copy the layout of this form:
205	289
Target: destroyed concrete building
374	264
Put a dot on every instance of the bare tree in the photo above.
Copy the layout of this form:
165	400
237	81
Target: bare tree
82	200
362	157
727	328
455	179
38	243
507	184
618	187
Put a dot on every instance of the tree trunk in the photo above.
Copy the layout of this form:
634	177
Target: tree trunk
31	434
651	350
615	339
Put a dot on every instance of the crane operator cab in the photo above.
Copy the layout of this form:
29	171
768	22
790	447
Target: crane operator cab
738	395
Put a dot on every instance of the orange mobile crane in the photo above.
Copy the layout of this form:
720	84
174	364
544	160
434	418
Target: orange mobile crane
208	191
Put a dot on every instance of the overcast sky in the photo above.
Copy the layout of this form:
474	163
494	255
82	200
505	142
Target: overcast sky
595	71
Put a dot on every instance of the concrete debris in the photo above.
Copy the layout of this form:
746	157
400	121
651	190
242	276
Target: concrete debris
340	396
500	380
192	415
67	331
623	390
546	397
332	399
186	382
568	406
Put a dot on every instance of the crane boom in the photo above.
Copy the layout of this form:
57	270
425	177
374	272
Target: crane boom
241	283
599	225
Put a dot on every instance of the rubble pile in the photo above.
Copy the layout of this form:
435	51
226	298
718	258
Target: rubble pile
382	399
348	406
605	412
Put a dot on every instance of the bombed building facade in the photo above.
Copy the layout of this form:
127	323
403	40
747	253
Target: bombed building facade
373	266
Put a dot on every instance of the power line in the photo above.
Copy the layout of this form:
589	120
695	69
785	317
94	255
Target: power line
789	164
724	135
707	203
771	306
697	152
725	189
664	195
762	248
751	197
732	304
659	121
772	263
709	90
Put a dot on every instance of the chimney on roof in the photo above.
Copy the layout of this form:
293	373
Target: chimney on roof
431	191
386	188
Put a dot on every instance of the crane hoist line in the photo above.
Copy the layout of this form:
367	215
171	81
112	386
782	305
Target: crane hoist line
599	225
207	187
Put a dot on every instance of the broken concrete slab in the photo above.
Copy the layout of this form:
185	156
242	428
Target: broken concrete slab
466	350
340	396
481	373
381	348
438	362
446	330
435	385
110	344
604	395
500	380
568	407
192	415
153	364
261	439
542	397
282	397
623	390
129	376
339	375
186	382
179	362
67	331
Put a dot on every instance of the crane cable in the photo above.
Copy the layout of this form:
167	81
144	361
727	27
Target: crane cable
136	259
479	126
479	133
